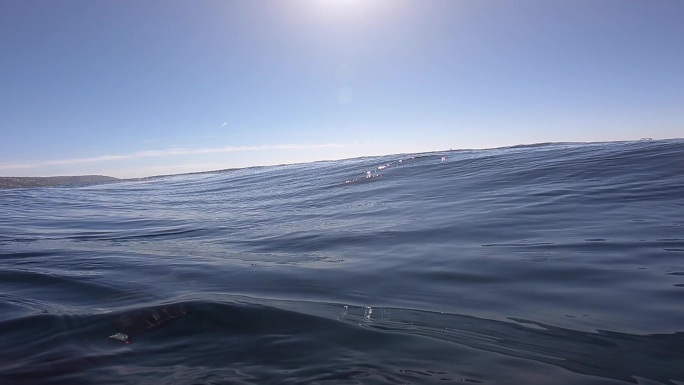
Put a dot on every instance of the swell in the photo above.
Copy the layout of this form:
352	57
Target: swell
556	255
265	342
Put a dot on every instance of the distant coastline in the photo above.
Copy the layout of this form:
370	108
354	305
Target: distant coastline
53	181
83	180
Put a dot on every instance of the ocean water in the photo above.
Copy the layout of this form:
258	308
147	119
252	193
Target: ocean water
544	264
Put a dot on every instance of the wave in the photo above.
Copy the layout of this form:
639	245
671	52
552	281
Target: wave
550	263
294	342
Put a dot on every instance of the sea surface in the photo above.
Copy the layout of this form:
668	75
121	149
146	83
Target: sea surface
545	264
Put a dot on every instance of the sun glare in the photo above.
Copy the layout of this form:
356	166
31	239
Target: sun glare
344	8
340	3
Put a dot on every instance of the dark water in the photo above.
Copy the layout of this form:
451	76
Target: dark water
548	264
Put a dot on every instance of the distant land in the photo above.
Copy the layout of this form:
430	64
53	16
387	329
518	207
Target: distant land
53	181
84	180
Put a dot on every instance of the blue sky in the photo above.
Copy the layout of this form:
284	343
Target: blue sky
137	88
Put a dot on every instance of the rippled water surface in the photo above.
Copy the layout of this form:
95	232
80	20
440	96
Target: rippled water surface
546	264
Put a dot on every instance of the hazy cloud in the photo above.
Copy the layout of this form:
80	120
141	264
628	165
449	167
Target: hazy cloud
166	153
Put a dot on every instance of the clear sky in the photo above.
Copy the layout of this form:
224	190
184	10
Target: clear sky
147	87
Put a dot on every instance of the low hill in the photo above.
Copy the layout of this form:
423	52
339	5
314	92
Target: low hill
51	181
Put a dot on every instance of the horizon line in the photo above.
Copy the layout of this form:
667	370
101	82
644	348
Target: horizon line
228	149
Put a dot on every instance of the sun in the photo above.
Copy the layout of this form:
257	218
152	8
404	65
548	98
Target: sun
346	12
343	5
